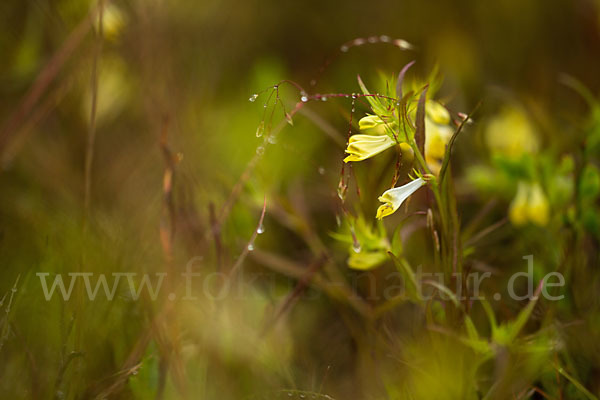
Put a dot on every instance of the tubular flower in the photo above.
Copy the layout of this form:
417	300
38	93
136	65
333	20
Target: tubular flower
518	207
529	205
368	122
538	206
361	147
511	133
394	198
374	125
437	113
437	135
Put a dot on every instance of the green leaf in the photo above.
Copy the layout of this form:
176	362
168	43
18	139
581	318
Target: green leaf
510	331
490	314
444	290
375	103
576	383
409	278
589	185
400	80
420	122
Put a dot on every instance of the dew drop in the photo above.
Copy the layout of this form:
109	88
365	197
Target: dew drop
344	49
272	139
321	171
250	247
372	39
359	42
403	44
384	38
14	290
354	95
356	247
261	129
260	150
261	229
253	98
304	98
324	98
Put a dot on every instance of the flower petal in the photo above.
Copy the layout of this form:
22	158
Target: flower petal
361	147
393	198
436	139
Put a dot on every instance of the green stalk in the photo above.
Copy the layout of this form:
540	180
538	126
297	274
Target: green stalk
446	256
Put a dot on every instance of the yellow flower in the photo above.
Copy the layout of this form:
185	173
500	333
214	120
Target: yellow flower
408	154
361	147
518	208
113	21
394	198
529	205
374	125
437	112
539	210
511	133
368	122
437	137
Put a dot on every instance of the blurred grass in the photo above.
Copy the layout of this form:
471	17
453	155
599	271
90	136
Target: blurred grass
191	67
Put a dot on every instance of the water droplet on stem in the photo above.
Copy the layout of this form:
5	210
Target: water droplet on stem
261	129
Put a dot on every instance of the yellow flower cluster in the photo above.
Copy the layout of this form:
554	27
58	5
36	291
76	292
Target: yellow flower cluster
529	205
511	134
437	135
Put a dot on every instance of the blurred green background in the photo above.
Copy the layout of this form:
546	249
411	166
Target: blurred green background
183	71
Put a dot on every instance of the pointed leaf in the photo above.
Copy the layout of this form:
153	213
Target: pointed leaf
400	80
420	122
374	102
408	276
444	290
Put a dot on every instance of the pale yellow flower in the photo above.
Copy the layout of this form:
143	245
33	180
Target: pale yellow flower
393	198
511	133
518	213
368	122
539	209
529	205
113	21
361	147
437	136
374	125
437	112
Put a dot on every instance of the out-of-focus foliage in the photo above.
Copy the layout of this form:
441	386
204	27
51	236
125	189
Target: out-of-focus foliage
128	146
